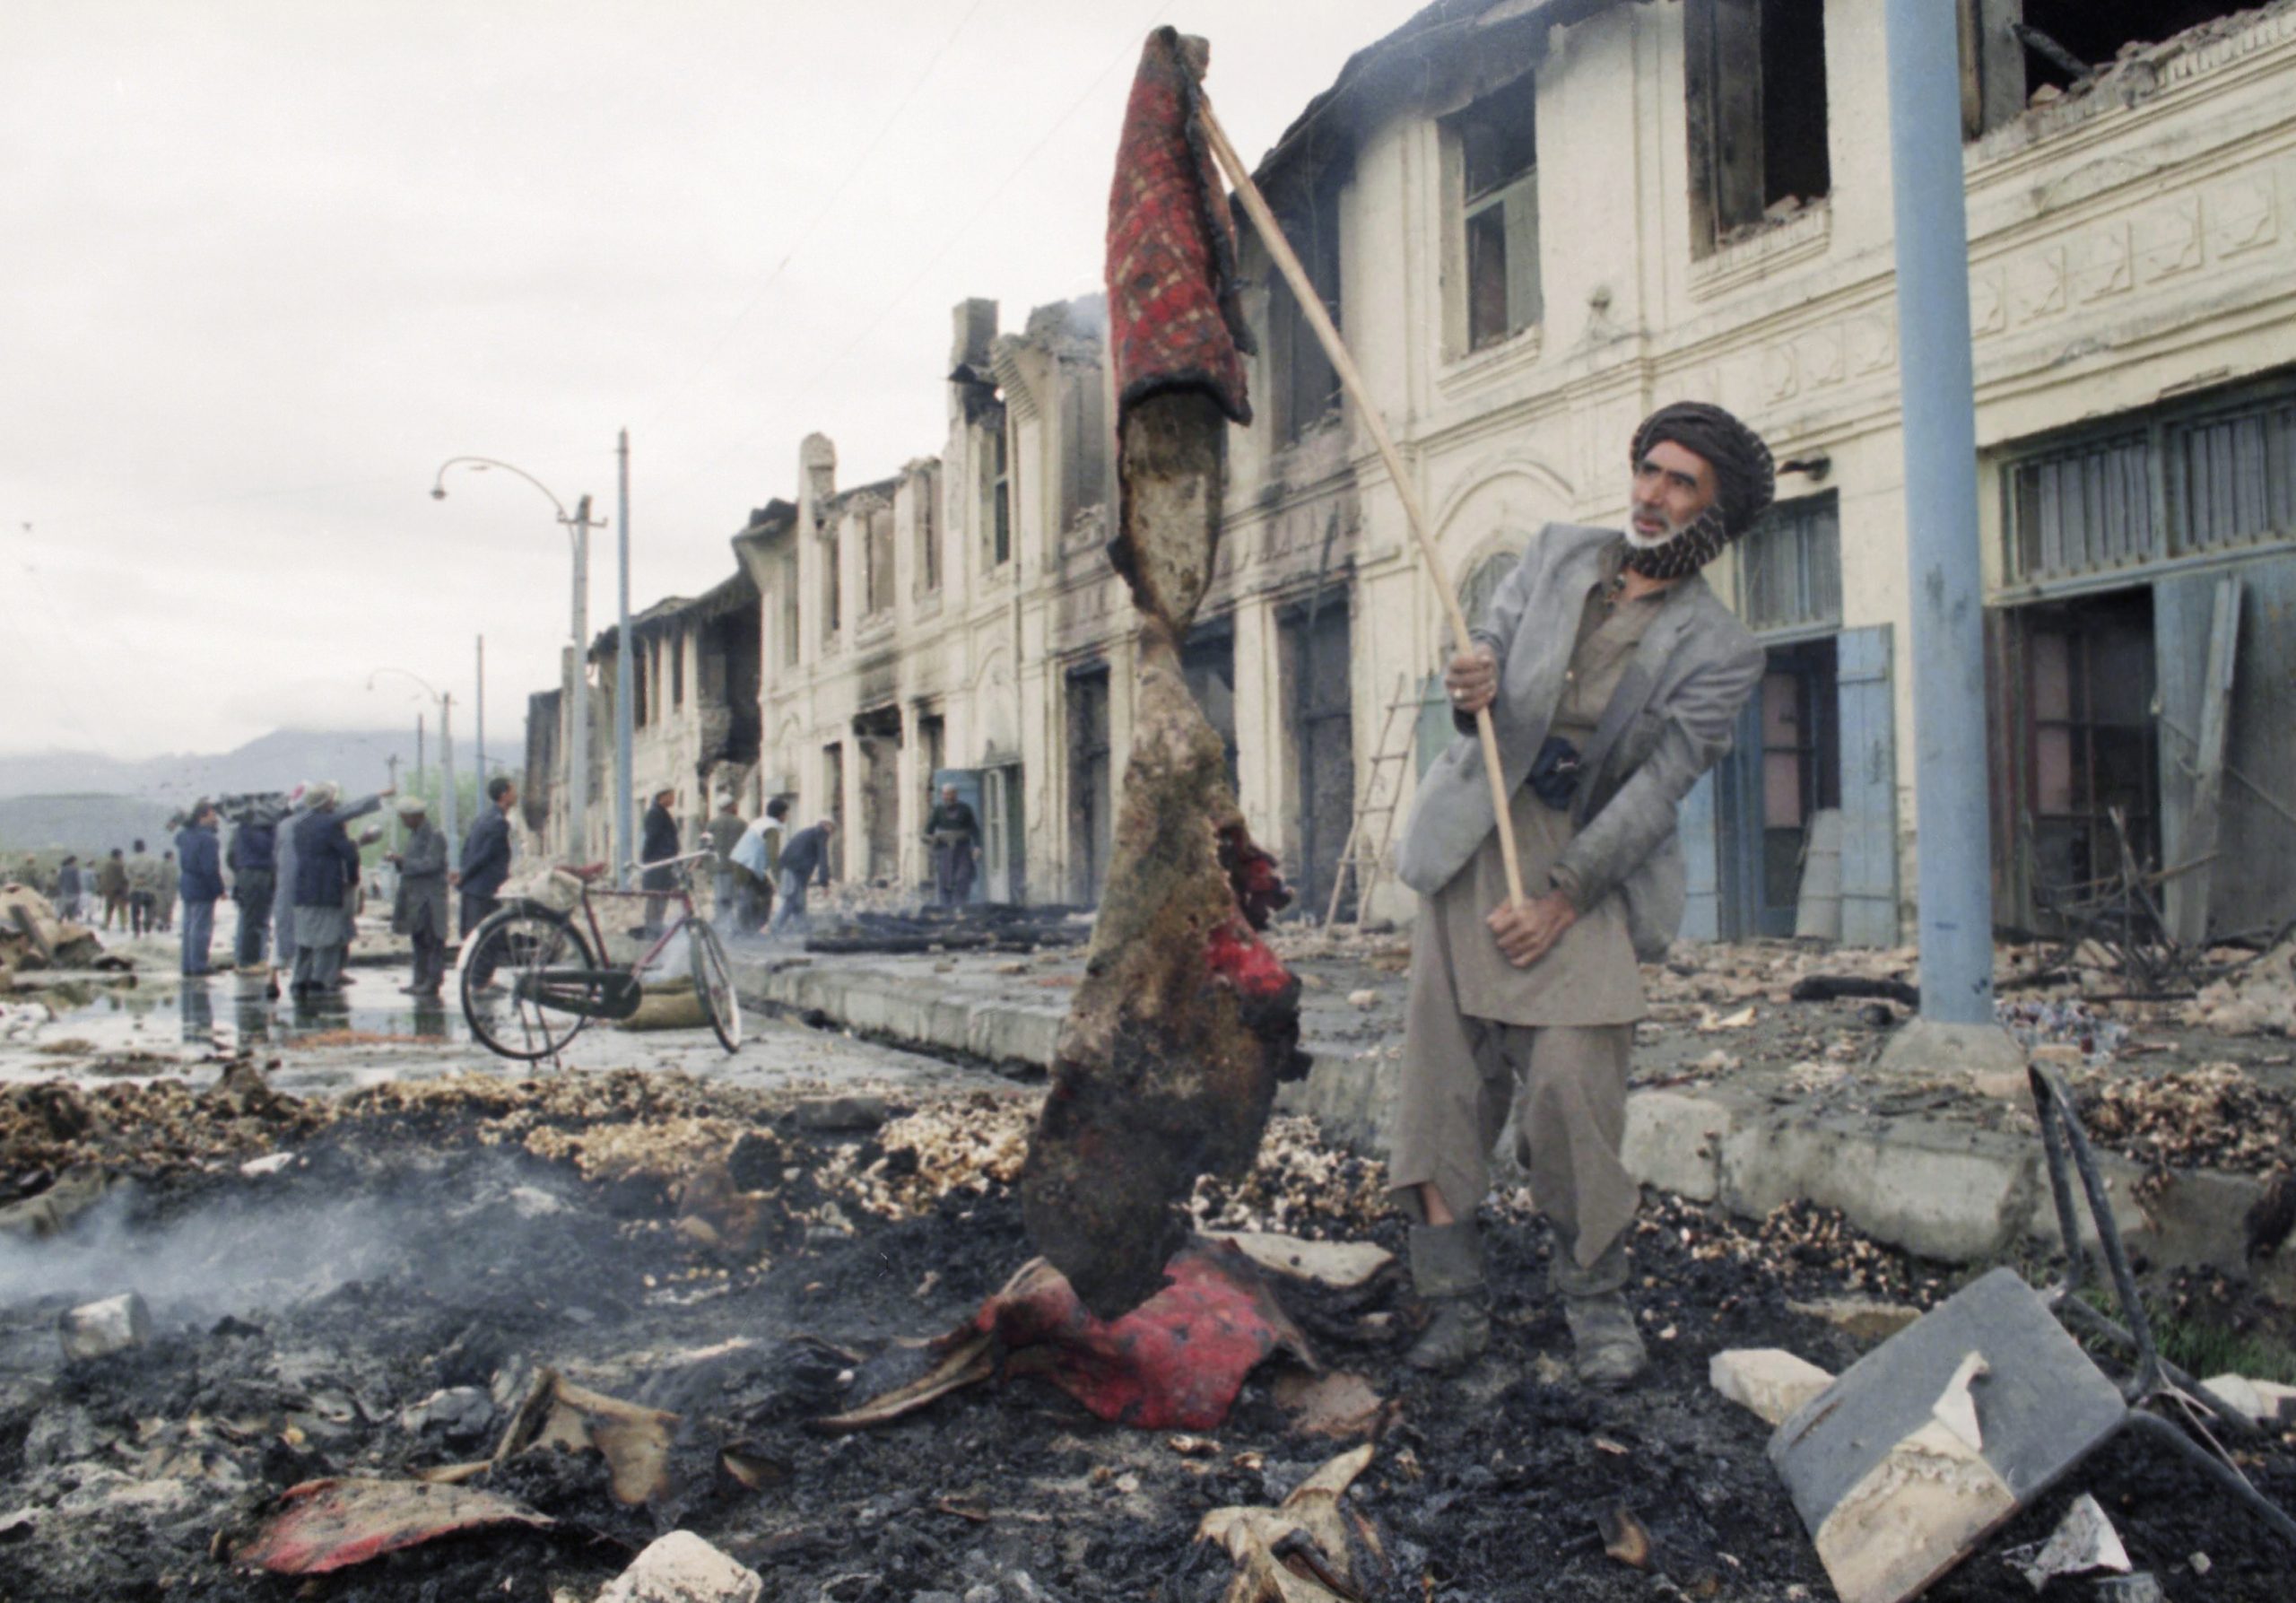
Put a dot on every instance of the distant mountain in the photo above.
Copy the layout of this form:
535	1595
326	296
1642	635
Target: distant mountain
87	824
356	759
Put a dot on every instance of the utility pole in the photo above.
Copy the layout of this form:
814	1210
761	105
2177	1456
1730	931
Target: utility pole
579	753
624	675
1957	1028
446	760
418	751
391	764
478	717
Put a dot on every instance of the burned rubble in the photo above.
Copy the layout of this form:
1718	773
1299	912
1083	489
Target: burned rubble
506	1337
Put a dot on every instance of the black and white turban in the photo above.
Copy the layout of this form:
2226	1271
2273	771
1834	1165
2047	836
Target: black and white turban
1745	481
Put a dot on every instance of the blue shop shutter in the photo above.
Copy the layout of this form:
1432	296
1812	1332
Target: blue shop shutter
1702	909
1869	788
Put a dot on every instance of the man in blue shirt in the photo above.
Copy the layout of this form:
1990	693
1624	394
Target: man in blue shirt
486	862
201	884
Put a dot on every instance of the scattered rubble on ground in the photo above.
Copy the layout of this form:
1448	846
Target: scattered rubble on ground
2215	1115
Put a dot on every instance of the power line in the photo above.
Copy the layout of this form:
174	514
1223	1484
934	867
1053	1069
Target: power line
804	234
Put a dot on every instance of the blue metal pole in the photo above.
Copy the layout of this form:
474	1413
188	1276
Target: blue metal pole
1952	829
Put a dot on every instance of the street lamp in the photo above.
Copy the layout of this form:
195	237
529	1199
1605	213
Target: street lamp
446	701
578	524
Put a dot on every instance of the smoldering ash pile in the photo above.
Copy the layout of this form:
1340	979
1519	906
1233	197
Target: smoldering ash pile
1167	1065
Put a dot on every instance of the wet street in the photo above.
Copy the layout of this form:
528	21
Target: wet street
153	1023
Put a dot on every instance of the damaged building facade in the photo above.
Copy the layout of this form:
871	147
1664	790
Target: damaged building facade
1532	221
694	691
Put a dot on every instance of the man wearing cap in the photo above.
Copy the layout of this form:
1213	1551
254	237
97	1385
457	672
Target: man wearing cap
1615	677
254	863
419	907
299	807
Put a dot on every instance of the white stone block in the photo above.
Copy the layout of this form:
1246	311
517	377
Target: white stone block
1770	1381
94	1329
682	1568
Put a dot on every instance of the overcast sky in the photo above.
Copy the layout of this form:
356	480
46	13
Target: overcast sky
269	264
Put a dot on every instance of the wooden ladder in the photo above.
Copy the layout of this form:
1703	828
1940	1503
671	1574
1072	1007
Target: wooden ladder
1376	812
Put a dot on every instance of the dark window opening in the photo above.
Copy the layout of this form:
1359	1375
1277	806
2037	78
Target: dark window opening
676	648
1083	444
833	805
2090	744
792	643
1092	783
1208	665
1755	76
1500	210
877	563
932	757
1302	383
929	533
996	485
832	582
2092	31
1318	656
878	736
732	649
640	687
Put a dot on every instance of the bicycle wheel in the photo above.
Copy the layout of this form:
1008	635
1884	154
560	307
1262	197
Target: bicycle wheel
514	943
713	982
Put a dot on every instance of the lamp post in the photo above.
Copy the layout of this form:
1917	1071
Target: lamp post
447	808
577	524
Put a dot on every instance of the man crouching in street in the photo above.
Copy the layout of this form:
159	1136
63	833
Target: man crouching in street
1615	677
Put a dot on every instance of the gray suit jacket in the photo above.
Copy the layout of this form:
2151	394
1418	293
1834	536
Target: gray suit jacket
1669	721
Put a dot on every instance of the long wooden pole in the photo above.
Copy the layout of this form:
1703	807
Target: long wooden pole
1311	302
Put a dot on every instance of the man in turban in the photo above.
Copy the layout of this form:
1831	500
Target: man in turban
1615	677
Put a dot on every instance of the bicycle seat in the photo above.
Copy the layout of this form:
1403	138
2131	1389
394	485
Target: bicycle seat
586	871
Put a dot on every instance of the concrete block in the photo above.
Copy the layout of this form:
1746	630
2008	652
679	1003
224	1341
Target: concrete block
1770	1381
1939	1192
682	1568
95	1329
1673	1141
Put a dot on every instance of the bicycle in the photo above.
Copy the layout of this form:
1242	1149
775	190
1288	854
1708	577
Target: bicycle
532	979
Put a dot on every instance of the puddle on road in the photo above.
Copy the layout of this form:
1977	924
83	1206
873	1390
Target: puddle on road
223	1013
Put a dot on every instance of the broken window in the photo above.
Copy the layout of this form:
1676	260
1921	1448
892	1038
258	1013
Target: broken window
877	561
1302	384
792	643
1499	212
2090	742
1083	440
2065	40
997	489
928	532
1789	565
1754	74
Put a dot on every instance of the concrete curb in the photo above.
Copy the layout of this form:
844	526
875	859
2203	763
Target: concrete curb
1931	1185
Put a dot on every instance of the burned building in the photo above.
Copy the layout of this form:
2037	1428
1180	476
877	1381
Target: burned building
694	718
1534	222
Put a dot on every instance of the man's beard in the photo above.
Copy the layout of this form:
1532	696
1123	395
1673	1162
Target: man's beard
1668	530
